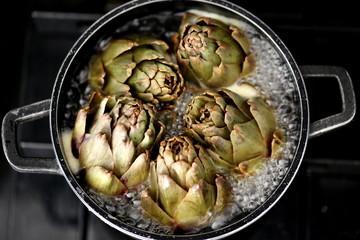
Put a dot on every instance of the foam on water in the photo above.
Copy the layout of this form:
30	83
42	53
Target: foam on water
272	77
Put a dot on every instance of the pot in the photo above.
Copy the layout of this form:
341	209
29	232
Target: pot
56	107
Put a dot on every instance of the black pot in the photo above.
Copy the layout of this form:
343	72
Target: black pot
104	28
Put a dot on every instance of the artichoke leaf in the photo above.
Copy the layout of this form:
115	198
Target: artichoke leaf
204	21
178	172
145	53
189	18
155	84
115	48
138	171
193	209
223	193
170	194
79	129
241	38
160	129
248	65
202	69
166	97
150	68
220	100
102	180
100	108
67	144
238	100
123	157
113	101
264	117
139	80
147	141
121	68
190	151
247	141
147	97
195	173
142	40
207	162
214	131
249	167
245	91
161	166
194	135
123	149
95	100
102	125
136	132
225	148
168	156
95	151
200	127
116	88
218	161
153	182
277	143
96	73
148	204
233	72
233	115
228	50
217	116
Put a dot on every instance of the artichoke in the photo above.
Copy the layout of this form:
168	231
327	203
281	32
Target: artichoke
136	65
212	53
112	139
240	130
184	189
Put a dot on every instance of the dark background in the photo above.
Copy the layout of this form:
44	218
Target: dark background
322	203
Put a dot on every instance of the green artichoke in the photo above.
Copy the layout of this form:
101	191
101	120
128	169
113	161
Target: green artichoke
184	189
136	65
240	130
112	138
212	53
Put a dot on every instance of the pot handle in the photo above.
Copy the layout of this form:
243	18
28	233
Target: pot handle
10	125
327	124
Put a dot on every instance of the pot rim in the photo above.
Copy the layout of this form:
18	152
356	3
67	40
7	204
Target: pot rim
228	229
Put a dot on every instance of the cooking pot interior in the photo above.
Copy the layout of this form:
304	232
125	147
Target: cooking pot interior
276	75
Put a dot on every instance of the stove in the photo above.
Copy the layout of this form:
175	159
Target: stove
321	203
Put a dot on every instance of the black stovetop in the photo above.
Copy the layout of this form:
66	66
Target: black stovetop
321	203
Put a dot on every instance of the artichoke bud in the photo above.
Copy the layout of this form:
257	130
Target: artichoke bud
113	137
183	186
212	53
136	65
238	128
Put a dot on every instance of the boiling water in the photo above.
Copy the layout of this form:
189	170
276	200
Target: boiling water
272	77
